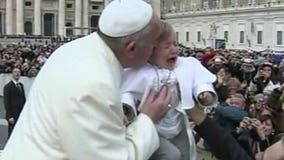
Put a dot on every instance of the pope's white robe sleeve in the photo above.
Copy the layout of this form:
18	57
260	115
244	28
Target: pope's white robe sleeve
100	133
203	79
136	84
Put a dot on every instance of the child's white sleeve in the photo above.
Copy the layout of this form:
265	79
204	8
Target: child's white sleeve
203	81
185	74
193	79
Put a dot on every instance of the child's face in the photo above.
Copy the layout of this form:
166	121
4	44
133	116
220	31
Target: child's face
166	53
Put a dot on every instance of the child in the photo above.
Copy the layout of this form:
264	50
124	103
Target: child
185	77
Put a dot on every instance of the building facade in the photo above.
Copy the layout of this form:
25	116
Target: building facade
49	17
255	24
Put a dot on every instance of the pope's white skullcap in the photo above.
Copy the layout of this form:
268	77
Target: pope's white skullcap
125	17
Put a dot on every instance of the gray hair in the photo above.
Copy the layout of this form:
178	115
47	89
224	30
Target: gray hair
116	42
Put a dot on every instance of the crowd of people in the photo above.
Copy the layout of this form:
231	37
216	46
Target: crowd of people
250	90
26	56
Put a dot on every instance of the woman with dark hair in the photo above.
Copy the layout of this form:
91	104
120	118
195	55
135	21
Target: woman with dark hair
255	135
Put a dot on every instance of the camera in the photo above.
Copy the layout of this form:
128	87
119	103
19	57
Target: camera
250	121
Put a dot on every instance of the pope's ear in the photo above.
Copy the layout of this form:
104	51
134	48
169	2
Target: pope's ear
131	47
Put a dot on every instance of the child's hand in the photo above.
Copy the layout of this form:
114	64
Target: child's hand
206	98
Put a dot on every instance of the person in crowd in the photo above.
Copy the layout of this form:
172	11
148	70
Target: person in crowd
262	81
231	113
280	73
32	72
234	86
275	102
217	63
74	109
257	106
255	135
248	70
165	68
223	144
250	98
14	99
223	76
199	55
221	84
234	65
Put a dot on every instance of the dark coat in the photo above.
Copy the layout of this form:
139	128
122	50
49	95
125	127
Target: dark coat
251	142
222	143
14	100
275	102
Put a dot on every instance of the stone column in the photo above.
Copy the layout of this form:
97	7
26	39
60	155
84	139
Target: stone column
86	16
9	17
20	17
61	18
221	4
78	16
236	3
37	17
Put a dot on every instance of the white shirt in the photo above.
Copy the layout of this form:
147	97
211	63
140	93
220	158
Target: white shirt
188	79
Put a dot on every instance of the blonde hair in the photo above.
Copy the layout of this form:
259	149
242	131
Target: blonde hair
166	32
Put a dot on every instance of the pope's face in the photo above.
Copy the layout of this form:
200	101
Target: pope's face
166	53
145	47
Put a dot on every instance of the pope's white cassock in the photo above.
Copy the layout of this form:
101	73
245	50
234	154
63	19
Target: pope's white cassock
74	110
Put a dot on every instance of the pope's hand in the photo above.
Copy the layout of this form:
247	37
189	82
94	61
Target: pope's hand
156	105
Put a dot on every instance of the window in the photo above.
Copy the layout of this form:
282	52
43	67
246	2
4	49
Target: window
187	36
259	37
28	28
95	7
198	36
69	5
28	3
226	35
205	5
242	36
69	31
177	36
279	37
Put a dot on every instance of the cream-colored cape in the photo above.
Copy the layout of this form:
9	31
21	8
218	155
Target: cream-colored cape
74	111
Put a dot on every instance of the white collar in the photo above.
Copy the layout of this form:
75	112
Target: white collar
15	82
